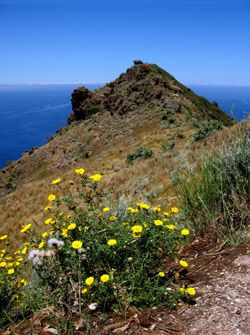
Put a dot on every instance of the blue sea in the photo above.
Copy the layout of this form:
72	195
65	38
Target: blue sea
29	115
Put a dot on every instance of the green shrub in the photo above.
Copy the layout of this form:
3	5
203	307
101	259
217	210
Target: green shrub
140	153
205	129
168	146
218	197
92	258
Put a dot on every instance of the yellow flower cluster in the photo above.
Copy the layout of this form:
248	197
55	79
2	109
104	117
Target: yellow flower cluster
90	281
80	171
142	205
96	177
189	290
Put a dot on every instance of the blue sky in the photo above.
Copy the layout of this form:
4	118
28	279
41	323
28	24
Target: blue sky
62	41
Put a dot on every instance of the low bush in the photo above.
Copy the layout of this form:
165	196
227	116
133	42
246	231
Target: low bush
168	146
205	129
140	153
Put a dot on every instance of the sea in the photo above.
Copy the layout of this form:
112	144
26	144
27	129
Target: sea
30	114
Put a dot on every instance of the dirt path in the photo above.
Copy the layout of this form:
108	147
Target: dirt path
222	281
223	306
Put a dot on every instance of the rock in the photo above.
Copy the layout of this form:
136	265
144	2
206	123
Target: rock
141	88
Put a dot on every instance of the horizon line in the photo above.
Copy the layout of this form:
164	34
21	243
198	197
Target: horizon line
99	83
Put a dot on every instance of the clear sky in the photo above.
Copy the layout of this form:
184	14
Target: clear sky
77	41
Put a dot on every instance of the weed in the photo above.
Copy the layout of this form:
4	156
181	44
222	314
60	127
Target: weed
205	129
168	146
140	153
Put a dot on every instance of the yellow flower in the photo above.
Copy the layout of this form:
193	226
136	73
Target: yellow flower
190	291
15	297
84	290
3	237
89	281
158	222
51	197
41	245
49	221
106	209
112	218
156	209
48	207
142	205
105	278
17	263
3	264
20	259
166	213
56	181
71	226
80	171
65	232
136	235
23	282
26	227
130	259
11	271
177	275
182	290
76	244
183	263
170	227
24	250
45	234
96	177
175	210
132	210
161	274
136	229
185	232
111	242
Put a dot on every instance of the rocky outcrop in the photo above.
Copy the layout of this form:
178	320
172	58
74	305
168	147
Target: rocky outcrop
144	87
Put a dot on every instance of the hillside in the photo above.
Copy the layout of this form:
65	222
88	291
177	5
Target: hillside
144	108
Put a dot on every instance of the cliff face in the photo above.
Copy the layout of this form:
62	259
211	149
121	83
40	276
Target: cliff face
144	87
